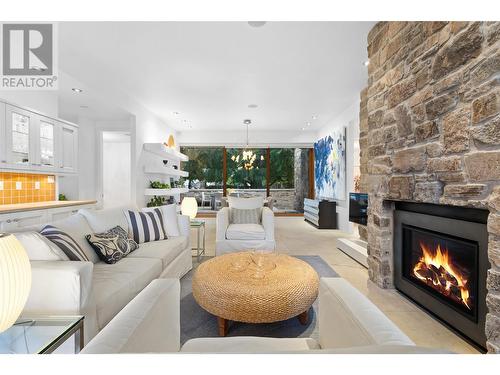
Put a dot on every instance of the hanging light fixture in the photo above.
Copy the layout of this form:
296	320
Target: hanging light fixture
248	157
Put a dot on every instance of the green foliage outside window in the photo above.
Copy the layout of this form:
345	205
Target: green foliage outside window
246	169
205	168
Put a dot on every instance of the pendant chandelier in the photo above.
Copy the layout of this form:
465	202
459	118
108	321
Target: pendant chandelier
248	157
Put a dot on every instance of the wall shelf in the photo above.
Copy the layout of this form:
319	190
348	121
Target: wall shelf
166	171
165	152
165	192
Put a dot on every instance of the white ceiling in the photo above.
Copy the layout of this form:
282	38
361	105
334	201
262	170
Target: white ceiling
211	71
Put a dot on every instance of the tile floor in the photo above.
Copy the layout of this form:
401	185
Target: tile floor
296	237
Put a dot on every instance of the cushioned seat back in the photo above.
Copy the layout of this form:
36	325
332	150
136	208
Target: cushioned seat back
245	203
103	220
347	318
150	323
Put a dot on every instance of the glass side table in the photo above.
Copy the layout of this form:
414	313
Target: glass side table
200	241
41	334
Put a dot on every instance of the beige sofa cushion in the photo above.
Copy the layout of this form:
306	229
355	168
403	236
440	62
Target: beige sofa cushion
115	285
245	232
165	250
248	344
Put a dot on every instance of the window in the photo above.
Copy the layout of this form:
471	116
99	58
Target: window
280	173
204	167
246	169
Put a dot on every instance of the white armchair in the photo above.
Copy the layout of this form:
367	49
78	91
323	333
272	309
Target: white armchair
238	237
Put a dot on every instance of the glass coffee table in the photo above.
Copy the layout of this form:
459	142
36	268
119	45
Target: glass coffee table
41	334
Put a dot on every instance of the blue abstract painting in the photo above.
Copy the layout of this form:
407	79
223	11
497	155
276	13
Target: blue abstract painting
330	165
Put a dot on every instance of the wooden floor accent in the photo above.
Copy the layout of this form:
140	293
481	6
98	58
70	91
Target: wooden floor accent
223	326
304	317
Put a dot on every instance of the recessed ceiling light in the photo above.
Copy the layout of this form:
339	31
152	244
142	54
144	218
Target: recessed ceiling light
303	128
366	63
257	23
75	89
314	117
252	106
308	124
247	121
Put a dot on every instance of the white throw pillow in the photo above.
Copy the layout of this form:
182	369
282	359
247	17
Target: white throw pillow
245	203
39	248
170	223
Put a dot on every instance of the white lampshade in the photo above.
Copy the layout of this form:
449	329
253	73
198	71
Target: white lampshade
15	280
189	207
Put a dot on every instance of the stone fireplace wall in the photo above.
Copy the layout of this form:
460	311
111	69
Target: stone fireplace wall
430	132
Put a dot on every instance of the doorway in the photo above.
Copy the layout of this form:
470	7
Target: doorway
116	167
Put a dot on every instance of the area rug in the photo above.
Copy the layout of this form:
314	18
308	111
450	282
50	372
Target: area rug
196	322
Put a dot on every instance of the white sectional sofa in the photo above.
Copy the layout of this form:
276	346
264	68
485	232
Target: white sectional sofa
348	323
99	290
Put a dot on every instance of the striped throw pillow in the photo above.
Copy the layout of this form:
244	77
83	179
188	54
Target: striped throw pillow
65	242
241	216
146	226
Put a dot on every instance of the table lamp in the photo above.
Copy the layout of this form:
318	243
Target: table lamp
15	280
189	207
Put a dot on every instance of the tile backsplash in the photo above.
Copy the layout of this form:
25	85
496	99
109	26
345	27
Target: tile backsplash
26	188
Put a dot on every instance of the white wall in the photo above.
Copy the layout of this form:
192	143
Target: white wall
148	129
349	119
45	102
87	159
256	137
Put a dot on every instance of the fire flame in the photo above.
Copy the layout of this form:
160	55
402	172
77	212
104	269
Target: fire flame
441	260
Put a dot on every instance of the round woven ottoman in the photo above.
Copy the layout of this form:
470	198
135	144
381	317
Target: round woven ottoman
253	288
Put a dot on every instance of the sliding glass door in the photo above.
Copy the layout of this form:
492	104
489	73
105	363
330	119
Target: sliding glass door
279	174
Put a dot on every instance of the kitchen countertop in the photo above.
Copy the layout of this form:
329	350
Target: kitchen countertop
20	207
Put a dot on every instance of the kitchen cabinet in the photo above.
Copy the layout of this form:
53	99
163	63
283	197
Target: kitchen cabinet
68	147
33	142
20	136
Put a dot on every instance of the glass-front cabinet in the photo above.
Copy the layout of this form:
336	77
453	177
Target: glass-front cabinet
30	141
18	136
47	142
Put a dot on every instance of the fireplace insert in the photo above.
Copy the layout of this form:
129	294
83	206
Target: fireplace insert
443	265
441	261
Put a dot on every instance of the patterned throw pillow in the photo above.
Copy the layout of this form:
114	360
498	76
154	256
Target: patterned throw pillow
146	226
112	245
65	242
241	216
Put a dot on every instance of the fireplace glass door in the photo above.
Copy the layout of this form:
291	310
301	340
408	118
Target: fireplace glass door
444	266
